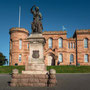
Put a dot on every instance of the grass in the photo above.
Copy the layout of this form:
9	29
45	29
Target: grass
8	69
70	69
59	69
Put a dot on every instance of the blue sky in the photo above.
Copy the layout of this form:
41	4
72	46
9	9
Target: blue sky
73	14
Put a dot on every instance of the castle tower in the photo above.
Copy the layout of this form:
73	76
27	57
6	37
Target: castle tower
19	47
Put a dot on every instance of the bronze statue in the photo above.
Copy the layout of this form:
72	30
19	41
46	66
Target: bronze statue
37	17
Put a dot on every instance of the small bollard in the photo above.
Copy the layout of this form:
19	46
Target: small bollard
52	71
52	78
15	71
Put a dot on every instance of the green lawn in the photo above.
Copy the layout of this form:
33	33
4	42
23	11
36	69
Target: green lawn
59	69
70	69
8	69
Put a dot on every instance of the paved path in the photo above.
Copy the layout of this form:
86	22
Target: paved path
65	82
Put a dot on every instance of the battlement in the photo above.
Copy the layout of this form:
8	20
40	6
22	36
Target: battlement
17	29
84	31
54	32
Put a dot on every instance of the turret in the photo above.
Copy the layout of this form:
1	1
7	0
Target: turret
18	46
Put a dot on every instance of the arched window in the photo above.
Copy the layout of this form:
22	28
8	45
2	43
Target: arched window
20	44
50	42
86	58
60	58
71	58
85	43
60	42
20	57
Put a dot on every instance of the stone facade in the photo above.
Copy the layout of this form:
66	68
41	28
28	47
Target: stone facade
17	34
74	46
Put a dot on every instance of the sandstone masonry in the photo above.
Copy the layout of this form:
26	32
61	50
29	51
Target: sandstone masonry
19	47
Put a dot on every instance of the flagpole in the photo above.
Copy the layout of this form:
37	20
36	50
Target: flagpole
19	15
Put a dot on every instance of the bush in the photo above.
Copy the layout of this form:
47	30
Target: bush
2	59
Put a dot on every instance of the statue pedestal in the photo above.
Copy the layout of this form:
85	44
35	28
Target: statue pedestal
36	57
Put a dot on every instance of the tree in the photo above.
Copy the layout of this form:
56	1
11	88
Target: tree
2	59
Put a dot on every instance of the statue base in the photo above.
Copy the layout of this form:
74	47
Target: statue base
36	57
33	80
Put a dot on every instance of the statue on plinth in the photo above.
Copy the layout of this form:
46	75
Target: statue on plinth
35	73
37	17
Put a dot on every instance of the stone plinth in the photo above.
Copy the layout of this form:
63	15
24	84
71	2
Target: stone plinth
29	80
36	57
34	79
35	67
35	72
37	42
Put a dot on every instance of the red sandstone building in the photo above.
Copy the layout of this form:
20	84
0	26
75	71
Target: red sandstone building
58	50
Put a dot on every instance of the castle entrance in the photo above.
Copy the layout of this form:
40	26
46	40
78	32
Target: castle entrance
50	59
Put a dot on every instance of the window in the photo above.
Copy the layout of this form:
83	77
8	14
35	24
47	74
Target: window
28	46
68	45
73	45
86	58
71	58
20	57
85	43
60	58
20	44
60	42
50	43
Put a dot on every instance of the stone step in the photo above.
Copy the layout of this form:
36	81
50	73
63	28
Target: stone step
35	67
25	76
35	72
28	84
28	80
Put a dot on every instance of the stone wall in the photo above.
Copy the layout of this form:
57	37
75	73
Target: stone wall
79	51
